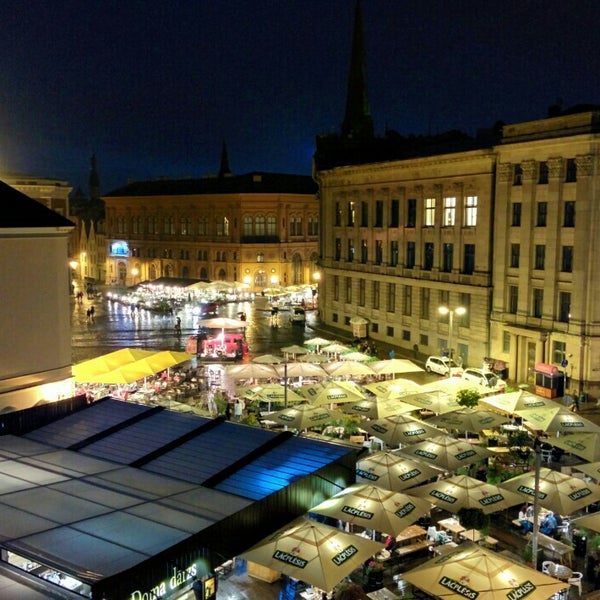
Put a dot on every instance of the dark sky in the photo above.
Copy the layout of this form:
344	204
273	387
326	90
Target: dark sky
154	87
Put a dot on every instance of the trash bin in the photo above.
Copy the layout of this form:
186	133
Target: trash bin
579	543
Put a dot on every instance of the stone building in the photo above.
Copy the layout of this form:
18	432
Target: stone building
502	225
261	229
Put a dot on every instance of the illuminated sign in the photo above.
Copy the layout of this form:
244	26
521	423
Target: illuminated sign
120	248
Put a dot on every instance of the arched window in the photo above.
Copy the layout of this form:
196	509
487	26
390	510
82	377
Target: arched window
297	270
259	225
247	225
271	225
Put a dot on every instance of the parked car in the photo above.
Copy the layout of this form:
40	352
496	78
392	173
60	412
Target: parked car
485	378
442	365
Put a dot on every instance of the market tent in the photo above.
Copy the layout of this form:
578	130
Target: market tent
83	371
471	571
393	472
558	492
312	552
372	507
462	491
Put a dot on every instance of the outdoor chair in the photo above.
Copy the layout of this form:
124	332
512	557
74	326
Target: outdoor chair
575	580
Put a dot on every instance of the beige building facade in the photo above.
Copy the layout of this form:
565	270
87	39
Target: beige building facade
261	229
509	233
546	254
402	239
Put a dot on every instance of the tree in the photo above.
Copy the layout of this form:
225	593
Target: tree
468	398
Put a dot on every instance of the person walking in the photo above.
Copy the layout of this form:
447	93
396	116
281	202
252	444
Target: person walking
228	410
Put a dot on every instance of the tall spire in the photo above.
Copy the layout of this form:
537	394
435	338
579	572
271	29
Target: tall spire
94	179
224	169
358	123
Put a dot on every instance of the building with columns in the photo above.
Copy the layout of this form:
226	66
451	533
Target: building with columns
261	229
502	225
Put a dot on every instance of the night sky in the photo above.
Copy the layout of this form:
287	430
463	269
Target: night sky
154	87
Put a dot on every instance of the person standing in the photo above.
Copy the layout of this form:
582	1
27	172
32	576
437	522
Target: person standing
197	588
238	409
228	410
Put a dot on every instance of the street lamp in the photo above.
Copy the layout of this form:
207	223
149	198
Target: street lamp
444	310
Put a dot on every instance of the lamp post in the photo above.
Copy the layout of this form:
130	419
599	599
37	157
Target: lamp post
444	310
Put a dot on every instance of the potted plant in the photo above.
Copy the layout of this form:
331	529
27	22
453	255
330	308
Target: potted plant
374	573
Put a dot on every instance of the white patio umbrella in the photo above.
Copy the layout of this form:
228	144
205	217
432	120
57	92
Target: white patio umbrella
401	429
348	368
446	452
378	408
318	342
301	369
268	359
510	402
251	371
332	392
585	445
395	366
393	388
303	416
462	491
469	419
558	492
312	552
471	571
393	472
311	357
372	507
556	419
356	357
438	402
336	348
294	350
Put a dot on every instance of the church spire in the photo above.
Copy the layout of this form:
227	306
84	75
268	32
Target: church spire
358	123
94	179
224	169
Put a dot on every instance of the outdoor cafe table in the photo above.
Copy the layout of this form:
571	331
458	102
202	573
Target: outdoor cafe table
561	572
475	536
382	594
451	524
410	533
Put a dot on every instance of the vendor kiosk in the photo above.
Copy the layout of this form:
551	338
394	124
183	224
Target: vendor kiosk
549	381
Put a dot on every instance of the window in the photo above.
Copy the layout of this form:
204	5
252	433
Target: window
379	213
361	292
407	301
351	214
389	331
543	174
470	211
464	320
569	216
222	224
424	340
338	215
336	288
542	214
538	298
444	301
338	249
260	257
247	225
469	259
411	254
364	214
564	307
517	175
559	352
272	225
425	302
449	211
429	212
516	214
295	226
350	253
259	225
391	297
566	265
447	256
395	213
540	256
406	335
364	251
378	252
515	251
571	170
411	212
376	294
513	299
394	253
506	342
312	226
428	262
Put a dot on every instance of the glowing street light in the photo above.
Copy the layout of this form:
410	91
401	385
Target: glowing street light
444	310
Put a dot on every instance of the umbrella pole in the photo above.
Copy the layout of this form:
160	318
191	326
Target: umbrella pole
285	384
537	448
